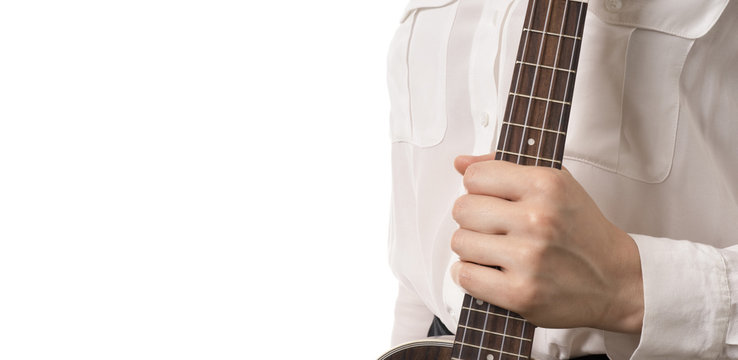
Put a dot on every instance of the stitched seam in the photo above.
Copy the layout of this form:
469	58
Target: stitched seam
407	67
724	315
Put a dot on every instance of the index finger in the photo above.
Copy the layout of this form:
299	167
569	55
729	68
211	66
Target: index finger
501	179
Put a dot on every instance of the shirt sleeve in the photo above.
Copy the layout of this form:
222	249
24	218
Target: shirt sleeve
412	317
690	297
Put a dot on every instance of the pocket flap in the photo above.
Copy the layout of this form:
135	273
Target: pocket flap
418	4
687	19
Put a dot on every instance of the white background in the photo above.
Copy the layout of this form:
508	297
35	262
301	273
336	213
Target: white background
194	179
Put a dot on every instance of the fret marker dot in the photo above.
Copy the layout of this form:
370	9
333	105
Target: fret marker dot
531	141
490	357
480	302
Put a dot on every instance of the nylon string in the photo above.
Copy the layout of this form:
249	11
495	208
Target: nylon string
551	85
522	336
535	77
517	80
466	325
502	341
530	101
568	78
512	106
507	132
481	338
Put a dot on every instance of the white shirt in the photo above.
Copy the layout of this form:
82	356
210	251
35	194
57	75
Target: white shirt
652	138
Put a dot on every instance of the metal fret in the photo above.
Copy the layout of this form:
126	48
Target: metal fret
534	128
552	34
494	313
546	67
540	98
495	333
529	157
496	351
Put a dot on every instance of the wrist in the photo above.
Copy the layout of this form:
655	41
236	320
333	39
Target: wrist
625	311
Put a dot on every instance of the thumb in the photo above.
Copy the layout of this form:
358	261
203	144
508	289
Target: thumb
463	161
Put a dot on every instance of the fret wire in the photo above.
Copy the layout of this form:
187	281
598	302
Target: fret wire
529	156
546	66
541	99
535	128
491	312
504	311
552	34
501	352
495	333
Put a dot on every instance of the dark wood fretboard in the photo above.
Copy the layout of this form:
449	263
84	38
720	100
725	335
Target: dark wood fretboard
533	132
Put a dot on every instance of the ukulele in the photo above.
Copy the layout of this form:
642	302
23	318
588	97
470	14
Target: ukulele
533	133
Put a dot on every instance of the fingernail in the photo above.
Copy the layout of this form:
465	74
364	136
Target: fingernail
455	269
466	157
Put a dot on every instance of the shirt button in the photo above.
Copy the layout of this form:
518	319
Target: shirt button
613	5
485	119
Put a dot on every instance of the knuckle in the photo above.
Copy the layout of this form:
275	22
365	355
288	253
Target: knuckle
543	222
540	218
549	181
460	206
457	241
533	253
470	175
464	276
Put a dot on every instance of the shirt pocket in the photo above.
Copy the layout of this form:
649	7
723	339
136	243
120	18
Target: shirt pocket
626	102
417	72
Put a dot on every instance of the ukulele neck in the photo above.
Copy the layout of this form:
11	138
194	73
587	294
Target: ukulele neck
533	133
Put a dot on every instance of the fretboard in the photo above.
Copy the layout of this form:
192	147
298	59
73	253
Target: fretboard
533	132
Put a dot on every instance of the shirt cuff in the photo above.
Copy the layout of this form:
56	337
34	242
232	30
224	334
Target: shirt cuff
686	299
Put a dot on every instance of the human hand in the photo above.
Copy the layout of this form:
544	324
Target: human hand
562	263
